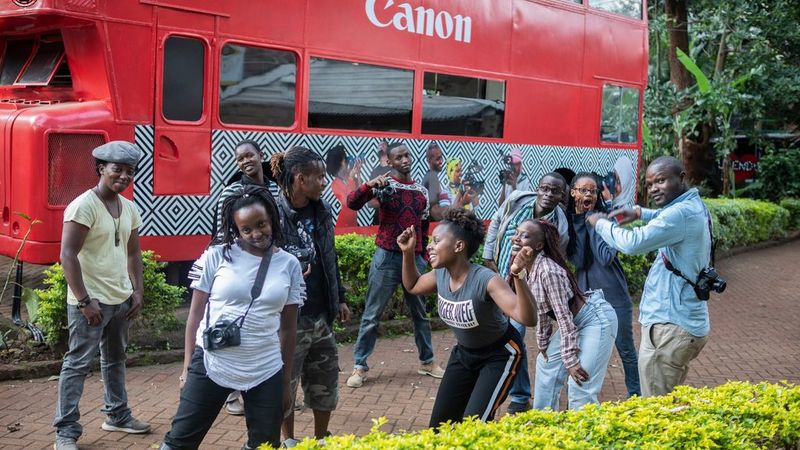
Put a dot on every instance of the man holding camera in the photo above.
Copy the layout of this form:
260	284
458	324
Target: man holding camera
675	322
403	203
512	178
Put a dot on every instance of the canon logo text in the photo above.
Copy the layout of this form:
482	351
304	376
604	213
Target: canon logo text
419	20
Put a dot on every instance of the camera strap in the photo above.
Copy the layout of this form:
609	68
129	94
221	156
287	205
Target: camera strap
258	284
677	272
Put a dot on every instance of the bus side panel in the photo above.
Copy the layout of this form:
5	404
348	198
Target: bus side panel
540	48
131	72
547	113
327	28
614	50
275	20
488	29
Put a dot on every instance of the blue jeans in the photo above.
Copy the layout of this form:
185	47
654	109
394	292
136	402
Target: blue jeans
521	387
385	274
627	349
112	338
597	330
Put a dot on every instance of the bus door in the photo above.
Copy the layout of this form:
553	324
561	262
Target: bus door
182	140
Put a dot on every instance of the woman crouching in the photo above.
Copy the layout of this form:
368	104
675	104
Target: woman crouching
585	324
476	303
219	360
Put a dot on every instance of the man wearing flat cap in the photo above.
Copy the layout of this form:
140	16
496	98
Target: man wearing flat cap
103	266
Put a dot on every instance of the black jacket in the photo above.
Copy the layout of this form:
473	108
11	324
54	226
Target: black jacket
324	238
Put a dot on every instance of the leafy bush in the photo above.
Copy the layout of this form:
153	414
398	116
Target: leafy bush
778	175
740	222
635	268
158	314
734	415
793	206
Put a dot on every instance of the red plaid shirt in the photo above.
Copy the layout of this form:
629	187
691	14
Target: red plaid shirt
551	289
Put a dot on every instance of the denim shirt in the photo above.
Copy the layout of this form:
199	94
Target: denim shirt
679	231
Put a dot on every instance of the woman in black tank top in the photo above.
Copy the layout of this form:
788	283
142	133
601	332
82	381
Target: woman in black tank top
476	303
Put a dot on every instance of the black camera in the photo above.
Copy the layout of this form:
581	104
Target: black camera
507	169
470	178
384	194
610	181
709	280
224	333
304	255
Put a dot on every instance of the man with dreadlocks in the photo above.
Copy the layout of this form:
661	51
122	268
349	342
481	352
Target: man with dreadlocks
307	229
580	348
403	204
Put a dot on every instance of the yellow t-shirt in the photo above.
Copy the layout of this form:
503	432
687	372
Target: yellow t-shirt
104	266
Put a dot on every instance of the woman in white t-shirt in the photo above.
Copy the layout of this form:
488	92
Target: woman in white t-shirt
222	280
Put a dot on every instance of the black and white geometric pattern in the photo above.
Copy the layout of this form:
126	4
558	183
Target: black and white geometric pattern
176	215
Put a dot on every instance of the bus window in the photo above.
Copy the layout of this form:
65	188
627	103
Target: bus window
257	86
357	96
43	65
184	74
15	56
630	8
463	106
619	121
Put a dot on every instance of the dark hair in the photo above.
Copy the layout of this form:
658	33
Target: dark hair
250	142
393	146
285	165
249	194
466	226
552	249
557	176
670	162
334	160
599	205
97	162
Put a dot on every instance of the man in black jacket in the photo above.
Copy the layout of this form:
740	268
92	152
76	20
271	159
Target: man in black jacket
307	228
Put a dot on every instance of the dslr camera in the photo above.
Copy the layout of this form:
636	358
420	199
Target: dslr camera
610	181
384	194
224	333
709	280
470	178
303	255
507	168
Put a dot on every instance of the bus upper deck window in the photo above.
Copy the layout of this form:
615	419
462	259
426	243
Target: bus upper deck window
463	106
257	86
183	79
630	8
358	96
619	122
43	65
15	55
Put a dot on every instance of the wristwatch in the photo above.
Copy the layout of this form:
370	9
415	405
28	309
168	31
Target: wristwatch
522	274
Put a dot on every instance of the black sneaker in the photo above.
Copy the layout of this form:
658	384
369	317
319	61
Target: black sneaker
516	407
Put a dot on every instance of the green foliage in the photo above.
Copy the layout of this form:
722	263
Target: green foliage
635	268
740	222
158	314
778	176
793	206
736	415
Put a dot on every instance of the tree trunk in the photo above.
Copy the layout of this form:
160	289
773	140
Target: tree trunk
697	155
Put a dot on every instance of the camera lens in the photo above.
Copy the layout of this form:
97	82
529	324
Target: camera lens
217	335
720	285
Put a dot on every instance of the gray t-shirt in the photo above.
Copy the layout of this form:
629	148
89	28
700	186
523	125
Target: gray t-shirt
474	317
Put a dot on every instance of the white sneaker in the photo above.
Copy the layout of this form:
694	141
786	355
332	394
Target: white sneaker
357	378
431	369
289	443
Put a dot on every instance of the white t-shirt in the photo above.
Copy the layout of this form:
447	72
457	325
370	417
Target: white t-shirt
258	357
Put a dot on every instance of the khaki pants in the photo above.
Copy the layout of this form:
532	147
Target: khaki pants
664	355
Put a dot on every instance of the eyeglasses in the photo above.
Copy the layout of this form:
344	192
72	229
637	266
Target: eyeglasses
549	190
585	191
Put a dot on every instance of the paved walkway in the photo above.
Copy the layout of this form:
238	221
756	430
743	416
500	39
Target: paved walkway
755	337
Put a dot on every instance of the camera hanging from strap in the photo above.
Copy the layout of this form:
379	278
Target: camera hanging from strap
258	284
673	269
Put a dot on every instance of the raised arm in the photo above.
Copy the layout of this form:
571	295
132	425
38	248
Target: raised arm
364	193
517	306
665	229
414	282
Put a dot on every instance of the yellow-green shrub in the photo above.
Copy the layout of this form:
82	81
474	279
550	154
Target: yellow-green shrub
736	415
793	206
739	222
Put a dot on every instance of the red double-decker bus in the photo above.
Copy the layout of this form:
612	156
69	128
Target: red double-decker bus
559	82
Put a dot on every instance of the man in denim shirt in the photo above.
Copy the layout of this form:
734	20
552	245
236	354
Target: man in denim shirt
675	323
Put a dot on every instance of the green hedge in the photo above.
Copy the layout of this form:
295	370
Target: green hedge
736	415
158	314
740	222
793	206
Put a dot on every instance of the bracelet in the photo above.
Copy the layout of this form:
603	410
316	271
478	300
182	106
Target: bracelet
85	300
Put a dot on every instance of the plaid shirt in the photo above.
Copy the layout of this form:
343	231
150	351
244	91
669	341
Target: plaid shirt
551	289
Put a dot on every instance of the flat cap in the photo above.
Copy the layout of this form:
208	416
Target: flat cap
120	152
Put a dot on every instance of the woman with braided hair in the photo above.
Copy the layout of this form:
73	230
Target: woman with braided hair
258	363
307	229
587	325
476	303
